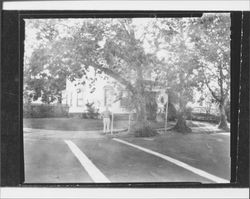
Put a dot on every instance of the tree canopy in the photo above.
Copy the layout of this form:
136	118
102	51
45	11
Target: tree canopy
176	53
211	37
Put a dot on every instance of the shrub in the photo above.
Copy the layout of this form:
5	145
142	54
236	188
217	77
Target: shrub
172	112
45	110
92	112
205	117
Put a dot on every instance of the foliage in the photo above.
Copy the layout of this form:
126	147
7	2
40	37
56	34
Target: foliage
172	112
108	45
211	36
205	117
44	111
92	112
179	54
179	68
44	76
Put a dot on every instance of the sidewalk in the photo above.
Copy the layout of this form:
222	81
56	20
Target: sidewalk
203	127
197	127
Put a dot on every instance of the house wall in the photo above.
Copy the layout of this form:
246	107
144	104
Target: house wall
77	95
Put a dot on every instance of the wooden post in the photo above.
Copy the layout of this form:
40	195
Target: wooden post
166	114
112	123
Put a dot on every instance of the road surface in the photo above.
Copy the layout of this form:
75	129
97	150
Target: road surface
88	157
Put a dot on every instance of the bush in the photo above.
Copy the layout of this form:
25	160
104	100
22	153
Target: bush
92	112
45	110
172	113
205	117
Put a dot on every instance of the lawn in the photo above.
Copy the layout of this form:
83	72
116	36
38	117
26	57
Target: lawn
76	124
209	152
70	124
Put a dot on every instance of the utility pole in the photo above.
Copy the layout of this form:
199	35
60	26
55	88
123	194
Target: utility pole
166	114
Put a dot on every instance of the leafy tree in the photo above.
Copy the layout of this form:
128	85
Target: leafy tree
92	112
211	36
108	45
179	68
43	76
161	53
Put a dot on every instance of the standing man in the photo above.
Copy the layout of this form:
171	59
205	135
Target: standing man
106	120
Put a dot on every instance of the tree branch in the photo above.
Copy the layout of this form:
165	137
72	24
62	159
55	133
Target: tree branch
209	88
116	76
211	91
221	81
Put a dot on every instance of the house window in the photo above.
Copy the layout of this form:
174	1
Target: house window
124	102
108	95
71	99
67	100
79	98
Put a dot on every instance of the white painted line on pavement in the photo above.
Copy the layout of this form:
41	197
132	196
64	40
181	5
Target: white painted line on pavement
177	162
91	169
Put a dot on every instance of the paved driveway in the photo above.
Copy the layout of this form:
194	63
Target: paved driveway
79	157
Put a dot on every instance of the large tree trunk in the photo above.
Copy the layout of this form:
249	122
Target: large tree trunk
140	98
223	118
141	109
142	127
181	125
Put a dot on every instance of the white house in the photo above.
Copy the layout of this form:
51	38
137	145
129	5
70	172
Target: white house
105	91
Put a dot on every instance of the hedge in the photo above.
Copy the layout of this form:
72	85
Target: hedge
205	117
45	110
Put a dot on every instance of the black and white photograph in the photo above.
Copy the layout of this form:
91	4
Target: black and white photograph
127	100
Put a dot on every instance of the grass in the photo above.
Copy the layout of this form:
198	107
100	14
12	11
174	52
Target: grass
209	152
78	124
70	124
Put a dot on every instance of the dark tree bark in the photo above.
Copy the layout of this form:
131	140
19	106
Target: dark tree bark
140	98
141	108
181	125
222	101
223	118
